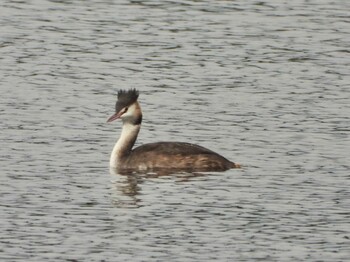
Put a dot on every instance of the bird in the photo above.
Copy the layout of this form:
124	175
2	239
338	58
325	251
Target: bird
179	156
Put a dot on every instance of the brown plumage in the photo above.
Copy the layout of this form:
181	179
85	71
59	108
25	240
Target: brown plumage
161	155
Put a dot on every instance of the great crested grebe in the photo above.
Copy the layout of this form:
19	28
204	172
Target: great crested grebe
160	155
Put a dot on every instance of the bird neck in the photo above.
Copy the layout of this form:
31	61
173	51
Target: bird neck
124	144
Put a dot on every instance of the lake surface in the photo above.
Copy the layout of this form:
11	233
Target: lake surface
265	84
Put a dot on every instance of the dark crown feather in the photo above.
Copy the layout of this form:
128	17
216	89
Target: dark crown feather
126	98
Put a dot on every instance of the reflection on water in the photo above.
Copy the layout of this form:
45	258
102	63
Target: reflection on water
127	186
126	189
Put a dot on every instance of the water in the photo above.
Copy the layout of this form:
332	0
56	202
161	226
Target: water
265	84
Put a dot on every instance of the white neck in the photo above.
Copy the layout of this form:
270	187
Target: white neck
124	144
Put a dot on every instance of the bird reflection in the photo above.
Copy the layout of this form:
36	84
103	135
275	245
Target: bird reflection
127	185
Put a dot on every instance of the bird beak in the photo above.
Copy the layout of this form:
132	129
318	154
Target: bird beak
114	117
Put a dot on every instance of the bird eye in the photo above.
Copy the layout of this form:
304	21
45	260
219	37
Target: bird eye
125	109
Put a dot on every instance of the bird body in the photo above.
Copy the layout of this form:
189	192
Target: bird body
160	155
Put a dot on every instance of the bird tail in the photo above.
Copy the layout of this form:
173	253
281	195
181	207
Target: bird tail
235	165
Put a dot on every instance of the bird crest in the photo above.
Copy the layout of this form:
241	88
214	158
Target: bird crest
126	98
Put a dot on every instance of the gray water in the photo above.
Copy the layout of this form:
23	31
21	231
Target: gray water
264	83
